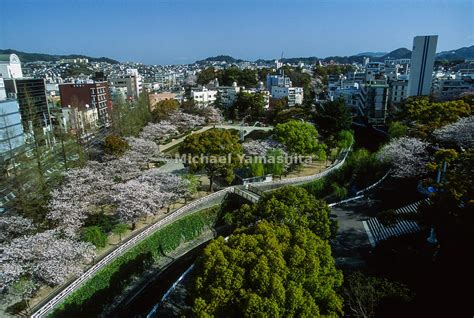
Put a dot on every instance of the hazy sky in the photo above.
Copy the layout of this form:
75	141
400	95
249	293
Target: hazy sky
182	31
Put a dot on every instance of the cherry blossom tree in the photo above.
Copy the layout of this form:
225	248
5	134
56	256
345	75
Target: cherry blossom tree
121	169
14	226
46	257
159	131
184	121
147	194
167	183
213	115
408	156
82	188
141	150
460	133
261	147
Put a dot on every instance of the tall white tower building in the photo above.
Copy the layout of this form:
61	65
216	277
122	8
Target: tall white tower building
422	62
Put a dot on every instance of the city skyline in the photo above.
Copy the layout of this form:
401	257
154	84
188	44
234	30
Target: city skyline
180	32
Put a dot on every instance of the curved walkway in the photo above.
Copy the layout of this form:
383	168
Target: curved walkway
49	304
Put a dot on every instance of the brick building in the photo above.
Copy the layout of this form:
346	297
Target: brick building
81	96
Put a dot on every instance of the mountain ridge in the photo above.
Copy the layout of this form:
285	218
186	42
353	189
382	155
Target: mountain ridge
35	57
452	55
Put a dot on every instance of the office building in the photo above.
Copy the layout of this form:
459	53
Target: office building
32	100
422	62
277	80
130	83
11	128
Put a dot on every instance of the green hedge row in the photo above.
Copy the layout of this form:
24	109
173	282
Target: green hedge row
110	281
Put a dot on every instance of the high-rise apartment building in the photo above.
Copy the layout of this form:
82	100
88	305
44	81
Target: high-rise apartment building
422	62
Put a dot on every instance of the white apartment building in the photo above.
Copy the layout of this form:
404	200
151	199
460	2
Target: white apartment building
130	82
10	66
294	94
398	90
452	86
203	96
228	94
81	122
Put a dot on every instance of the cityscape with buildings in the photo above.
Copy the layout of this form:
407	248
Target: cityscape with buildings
338	186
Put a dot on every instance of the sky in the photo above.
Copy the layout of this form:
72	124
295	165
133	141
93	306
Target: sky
183	31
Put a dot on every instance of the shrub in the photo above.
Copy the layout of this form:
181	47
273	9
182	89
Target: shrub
115	145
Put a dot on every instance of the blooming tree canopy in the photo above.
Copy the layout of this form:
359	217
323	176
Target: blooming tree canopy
460	133
13	226
145	195
408	156
159	131
47	257
184	121
141	150
261	147
82	188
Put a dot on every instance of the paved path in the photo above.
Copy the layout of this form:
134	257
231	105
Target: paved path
351	242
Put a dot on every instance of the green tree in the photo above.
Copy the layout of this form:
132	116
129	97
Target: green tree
293	206
275	162
363	294
333	117
193	183
257	169
207	75
248	104
94	235
425	116
115	145
397	129
298	137
120	229
345	139
267	270
129	118
217	151
248	78
162	109
24	288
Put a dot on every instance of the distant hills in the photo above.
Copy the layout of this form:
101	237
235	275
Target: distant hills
459	54
33	57
400	53
220	58
372	54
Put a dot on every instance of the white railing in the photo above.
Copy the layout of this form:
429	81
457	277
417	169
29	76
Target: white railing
375	184
360	194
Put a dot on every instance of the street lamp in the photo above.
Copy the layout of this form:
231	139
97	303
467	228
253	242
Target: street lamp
242	128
